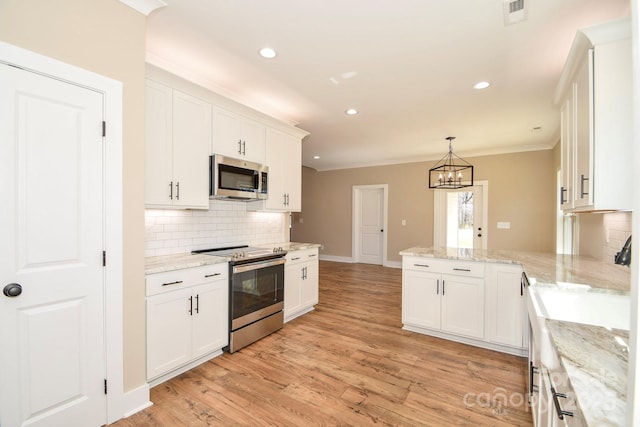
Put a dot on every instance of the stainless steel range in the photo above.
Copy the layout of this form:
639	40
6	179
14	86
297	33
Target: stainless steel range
256	292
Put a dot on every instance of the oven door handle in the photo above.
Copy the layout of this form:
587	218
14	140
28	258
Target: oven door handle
257	265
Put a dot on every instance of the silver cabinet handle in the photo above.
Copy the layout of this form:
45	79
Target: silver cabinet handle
561	413
171	190
438	287
582	192
563	191
197	303
462	269
421	265
244	147
239	146
442	287
172	283
212	275
177	190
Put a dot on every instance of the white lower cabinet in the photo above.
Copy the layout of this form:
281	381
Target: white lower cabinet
506	306
187	318
465	301
442	302
300	283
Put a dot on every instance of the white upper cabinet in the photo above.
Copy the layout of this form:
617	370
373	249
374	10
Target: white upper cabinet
186	123
595	99
284	158
178	137
237	136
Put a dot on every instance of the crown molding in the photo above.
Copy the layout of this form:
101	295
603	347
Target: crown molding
144	6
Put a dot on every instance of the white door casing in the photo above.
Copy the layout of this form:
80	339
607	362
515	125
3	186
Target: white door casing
57	351
370	223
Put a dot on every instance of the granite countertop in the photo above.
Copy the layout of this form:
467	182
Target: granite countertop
545	268
594	358
164	263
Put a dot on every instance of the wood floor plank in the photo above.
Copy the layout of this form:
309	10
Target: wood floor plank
349	362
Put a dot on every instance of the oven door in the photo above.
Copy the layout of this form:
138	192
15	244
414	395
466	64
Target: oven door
257	291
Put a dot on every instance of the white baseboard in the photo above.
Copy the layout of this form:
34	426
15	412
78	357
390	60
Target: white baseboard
345	259
350	260
136	400
393	264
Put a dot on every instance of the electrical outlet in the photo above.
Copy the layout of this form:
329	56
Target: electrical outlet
404	222
504	225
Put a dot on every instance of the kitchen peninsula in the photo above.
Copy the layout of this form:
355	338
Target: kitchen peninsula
593	358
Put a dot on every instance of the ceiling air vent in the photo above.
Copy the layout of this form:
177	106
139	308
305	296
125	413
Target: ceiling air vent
514	11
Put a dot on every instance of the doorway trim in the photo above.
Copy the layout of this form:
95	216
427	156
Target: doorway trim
439	221
355	219
112	194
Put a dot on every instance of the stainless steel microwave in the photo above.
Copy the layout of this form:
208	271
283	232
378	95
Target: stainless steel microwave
237	179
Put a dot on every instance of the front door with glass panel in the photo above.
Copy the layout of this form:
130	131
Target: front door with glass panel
459	220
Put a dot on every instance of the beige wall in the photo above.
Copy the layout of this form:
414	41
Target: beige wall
106	37
521	191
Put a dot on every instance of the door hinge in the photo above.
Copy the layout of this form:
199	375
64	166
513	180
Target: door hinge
105	386
104	258
104	128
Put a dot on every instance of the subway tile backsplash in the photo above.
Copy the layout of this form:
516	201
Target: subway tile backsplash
226	223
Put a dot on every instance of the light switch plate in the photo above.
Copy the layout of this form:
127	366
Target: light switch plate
504	225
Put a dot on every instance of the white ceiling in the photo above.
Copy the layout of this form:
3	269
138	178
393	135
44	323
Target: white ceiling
408	66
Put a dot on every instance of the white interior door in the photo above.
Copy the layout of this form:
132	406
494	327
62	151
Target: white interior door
52	363
370	225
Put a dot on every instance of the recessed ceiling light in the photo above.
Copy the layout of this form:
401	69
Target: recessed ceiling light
351	111
316	157
481	85
267	52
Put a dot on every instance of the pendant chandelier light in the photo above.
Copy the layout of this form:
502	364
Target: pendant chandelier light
451	171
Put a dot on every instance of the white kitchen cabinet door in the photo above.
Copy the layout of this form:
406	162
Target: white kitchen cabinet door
463	305
505	305
168	331
583	128
178	139
309	284
292	290
300	283
567	152
284	158
237	137
421	301
191	141
158	146
210	317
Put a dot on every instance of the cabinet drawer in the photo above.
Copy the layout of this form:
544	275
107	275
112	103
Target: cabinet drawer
442	266
178	279
295	257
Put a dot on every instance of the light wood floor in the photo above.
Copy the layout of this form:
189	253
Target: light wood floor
347	363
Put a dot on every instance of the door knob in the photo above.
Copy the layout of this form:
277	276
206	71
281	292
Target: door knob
12	290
